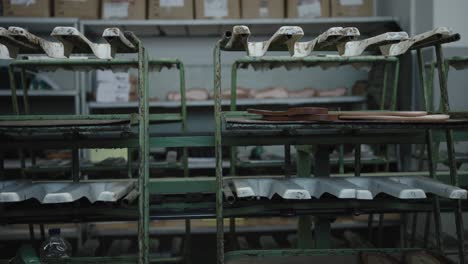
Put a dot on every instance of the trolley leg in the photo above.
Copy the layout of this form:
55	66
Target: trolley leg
305	222
322	224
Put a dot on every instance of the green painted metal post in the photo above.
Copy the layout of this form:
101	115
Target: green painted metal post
357	160
384	86
430	87
403	218
143	179
25	91
2	165
130	163
304	228
430	154
14	97
303	161
322	169
380	230
395	85
183	103
233	107
75	172
442	70
287	160
218	154
427	230
16	111
422	80
341	159
370	231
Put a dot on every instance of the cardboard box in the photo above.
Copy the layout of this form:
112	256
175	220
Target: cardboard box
84	9
217	9
262	8
170	9
352	8
123	9
112	87
308	8
26	8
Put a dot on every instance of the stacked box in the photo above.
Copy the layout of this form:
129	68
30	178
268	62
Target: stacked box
308	8
262	8
27	8
206	9
112	87
123	9
352	8
170	9
84	9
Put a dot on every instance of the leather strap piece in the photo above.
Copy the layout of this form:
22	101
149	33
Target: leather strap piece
317	118
295	111
381	113
426	118
320	114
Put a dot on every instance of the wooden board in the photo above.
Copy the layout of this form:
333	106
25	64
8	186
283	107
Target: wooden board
380	113
291	111
426	118
318	118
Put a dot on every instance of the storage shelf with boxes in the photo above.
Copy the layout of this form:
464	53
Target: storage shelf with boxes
83	9
126	9
187	9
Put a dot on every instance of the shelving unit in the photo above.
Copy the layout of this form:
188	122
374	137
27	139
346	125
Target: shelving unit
22	131
188	198
234	128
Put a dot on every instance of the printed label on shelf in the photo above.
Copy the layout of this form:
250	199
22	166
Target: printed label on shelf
351	2
215	8
263	11
115	10
309	8
22	2
171	3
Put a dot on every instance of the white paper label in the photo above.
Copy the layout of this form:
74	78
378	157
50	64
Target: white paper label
115	10
171	3
351	2
263	12
215	8
309	8
22	2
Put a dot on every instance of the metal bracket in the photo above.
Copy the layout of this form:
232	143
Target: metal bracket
404	46
356	48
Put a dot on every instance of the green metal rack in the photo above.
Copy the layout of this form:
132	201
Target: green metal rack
233	128
154	65
28	131
271	62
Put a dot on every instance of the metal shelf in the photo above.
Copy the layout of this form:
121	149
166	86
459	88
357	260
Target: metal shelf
241	102
59	93
215	27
